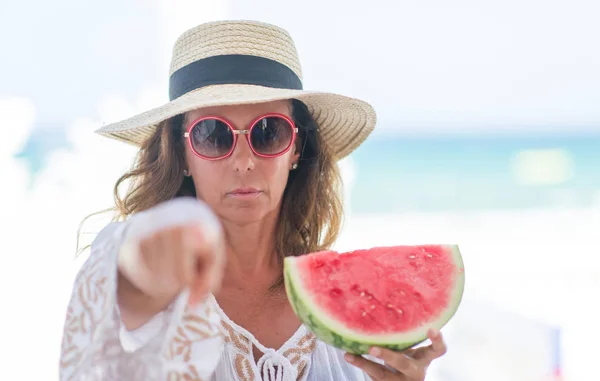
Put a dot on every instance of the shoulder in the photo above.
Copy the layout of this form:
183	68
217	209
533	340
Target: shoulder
109	231
108	234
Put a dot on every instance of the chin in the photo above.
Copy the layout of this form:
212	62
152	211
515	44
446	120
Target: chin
246	214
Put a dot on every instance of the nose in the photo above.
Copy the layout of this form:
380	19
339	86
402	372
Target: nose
242	156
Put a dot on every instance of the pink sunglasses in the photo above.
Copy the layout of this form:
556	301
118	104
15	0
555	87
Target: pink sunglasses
214	138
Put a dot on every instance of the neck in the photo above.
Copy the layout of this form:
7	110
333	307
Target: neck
251	255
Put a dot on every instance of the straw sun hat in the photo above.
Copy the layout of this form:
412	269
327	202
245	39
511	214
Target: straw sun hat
243	62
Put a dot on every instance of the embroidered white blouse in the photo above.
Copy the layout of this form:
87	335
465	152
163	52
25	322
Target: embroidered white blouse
180	343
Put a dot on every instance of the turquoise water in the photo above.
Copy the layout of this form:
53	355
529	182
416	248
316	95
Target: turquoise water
466	173
400	174
39	147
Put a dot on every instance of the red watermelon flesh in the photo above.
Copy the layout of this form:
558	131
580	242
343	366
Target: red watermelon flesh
383	295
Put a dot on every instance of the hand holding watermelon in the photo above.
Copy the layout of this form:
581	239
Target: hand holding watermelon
408	365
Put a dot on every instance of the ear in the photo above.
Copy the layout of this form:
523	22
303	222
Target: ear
297	144
186	159
295	156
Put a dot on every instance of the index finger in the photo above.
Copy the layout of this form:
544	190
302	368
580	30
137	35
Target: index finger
438	346
201	261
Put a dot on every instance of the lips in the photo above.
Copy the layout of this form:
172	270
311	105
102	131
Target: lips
245	192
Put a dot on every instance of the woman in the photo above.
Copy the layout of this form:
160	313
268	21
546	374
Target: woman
237	171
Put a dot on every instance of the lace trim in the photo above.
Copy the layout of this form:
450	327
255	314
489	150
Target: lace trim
194	328
295	353
242	348
299	356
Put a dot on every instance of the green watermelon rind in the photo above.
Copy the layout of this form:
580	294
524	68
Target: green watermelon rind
333	333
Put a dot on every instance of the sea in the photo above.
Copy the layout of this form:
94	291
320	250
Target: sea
398	173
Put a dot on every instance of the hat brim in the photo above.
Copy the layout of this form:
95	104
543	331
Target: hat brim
344	122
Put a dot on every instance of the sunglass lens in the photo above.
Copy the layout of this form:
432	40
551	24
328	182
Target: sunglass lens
271	135
212	138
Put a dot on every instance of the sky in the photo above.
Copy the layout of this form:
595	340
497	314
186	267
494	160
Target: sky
466	65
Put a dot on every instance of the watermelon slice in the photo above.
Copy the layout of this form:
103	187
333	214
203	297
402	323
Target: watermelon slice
384	296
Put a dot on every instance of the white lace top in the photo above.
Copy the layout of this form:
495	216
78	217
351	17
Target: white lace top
180	343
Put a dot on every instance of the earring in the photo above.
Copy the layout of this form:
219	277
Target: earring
186	173
294	166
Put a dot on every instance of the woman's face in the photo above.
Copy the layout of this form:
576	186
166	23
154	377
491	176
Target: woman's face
243	187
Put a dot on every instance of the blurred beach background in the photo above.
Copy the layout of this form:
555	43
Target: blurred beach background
488	136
